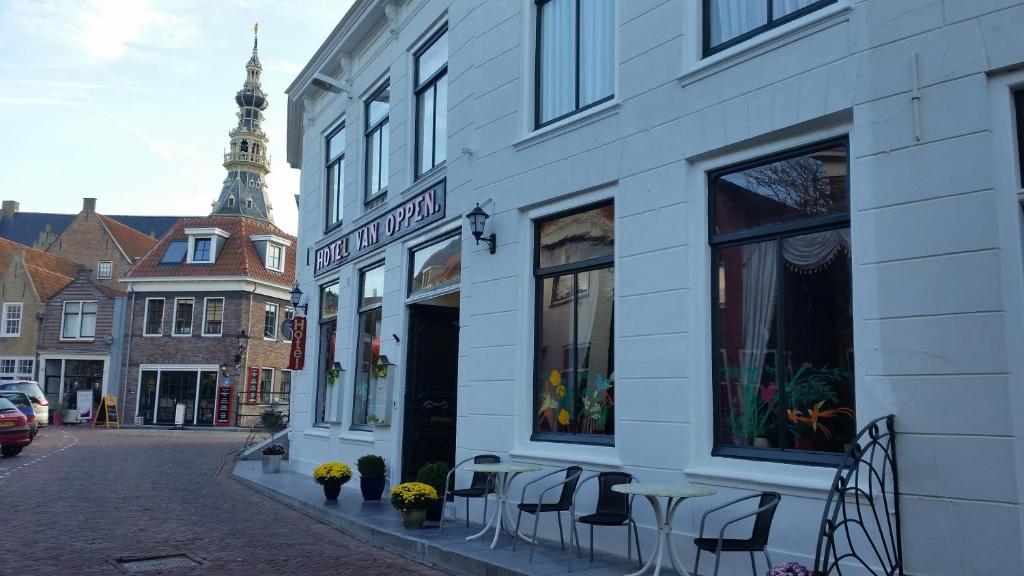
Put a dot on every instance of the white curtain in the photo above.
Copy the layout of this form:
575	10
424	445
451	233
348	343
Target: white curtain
557	58
730	18
812	251
597	50
781	8
759	270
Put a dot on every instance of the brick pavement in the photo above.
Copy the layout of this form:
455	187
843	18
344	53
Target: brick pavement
132	493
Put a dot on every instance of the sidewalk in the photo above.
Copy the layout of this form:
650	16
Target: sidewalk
379	524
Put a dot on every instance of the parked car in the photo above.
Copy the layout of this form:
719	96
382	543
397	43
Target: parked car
40	405
23	403
14	431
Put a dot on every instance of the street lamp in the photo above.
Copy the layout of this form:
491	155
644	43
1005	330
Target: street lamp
297	297
477	220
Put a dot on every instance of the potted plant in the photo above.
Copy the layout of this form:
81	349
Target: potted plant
789	569
331	475
434	474
413	499
272	455
372	473
272	421
809	394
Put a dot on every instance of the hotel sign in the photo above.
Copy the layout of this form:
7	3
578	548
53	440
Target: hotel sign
415	213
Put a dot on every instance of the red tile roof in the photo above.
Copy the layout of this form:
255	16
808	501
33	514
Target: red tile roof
237	257
48	273
134	243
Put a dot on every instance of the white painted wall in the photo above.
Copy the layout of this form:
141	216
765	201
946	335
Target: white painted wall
935	223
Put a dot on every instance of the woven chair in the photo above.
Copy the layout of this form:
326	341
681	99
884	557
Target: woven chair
480	485
612	509
758	541
564	503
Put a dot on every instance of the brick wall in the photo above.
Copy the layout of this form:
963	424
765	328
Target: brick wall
86	241
83	289
15	286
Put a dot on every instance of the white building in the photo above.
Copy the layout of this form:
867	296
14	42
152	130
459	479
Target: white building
836	179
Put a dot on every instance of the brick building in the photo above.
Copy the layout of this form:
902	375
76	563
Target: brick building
207	303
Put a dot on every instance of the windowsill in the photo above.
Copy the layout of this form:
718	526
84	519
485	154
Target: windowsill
10	335
189	335
356	436
62	339
791	479
152	335
766	42
589	116
317	432
597	456
212	335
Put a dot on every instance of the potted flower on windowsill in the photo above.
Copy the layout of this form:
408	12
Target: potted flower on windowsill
434	474
331	475
372	475
272	455
413	499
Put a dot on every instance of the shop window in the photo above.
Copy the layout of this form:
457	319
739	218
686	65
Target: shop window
104	269
574	395
730	22
326	374
183	316
270	322
782	332
367	382
575	57
432	103
437	265
154	317
213	317
11	319
378	108
79	321
335	177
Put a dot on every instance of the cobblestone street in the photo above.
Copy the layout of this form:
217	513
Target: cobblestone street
78	499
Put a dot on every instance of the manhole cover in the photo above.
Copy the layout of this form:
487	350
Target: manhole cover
157	563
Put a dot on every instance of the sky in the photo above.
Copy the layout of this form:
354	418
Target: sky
131	101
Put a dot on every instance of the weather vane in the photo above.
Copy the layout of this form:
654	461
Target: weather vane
256	29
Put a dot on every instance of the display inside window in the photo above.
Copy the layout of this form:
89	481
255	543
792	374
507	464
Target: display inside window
436	265
729	22
783	331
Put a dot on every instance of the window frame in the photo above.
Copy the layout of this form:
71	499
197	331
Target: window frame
193	244
1018	106
372	199
419	90
145	318
708	50
99	269
362	309
334	163
323	323
266	311
538	123
539	275
21	317
289	315
81	316
191	320
271	247
776	232
206	311
265	395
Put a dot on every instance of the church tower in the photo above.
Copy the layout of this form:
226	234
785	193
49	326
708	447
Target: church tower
247	162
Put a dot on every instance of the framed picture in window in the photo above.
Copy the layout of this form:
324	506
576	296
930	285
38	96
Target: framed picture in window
561	292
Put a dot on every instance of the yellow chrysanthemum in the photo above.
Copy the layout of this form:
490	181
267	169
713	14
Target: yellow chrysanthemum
563	417
555	377
332	473
413	496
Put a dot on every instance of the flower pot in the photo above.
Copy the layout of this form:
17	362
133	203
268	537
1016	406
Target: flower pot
805	443
761	442
372	488
436	510
413	518
331	491
272	463
57	417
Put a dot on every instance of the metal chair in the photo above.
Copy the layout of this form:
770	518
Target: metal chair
612	509
564	504
768	502
480	485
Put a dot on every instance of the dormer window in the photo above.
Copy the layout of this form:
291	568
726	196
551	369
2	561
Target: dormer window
201	250
272	249
204	244
275	260
248	202
231	201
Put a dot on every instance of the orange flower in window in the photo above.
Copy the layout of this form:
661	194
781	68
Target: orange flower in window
563	417
555	377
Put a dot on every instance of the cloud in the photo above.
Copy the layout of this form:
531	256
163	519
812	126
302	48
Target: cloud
39	102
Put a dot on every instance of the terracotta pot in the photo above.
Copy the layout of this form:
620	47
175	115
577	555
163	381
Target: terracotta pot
413	518
331	491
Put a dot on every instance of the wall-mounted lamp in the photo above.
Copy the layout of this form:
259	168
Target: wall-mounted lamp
243	344
224	370
296	298
477	220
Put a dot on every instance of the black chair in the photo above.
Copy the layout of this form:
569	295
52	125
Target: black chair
768	502
612	509
480	486
564	504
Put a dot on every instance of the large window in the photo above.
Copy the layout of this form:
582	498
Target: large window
11	319
367	384
270	322
783	325
432	103
377	109
436	266
335	176
213	317
574	398
575	56
183	316
729	22
325	357
79	320
154	317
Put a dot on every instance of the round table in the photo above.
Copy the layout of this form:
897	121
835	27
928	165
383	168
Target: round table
502	517
675	492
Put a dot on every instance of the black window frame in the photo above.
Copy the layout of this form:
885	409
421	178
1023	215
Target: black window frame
709	50
372	200
208	241
269	324
777	232
419	89
539	275
324	322
362	309
334	164
1018	100
538	123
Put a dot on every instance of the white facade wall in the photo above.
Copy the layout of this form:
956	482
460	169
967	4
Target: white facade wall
935	224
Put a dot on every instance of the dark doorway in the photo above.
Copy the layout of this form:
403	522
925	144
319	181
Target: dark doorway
431	387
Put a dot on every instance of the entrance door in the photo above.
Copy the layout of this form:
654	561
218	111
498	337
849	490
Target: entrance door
207	398
176	387
431	388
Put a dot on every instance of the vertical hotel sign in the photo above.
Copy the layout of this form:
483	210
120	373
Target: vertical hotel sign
417	212
252	385
297	357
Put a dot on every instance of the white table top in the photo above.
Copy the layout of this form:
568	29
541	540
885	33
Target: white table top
498	468
671	490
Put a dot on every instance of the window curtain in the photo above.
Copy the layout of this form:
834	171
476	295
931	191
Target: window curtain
557	58
812	251
731	18
759	270
781	8
597	50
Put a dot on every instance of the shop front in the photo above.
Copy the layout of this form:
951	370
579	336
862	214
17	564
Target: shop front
163	387
64	377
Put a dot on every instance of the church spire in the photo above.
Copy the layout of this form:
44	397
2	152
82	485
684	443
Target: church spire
247	162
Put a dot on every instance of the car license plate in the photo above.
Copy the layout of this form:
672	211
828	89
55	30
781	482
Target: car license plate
6	423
